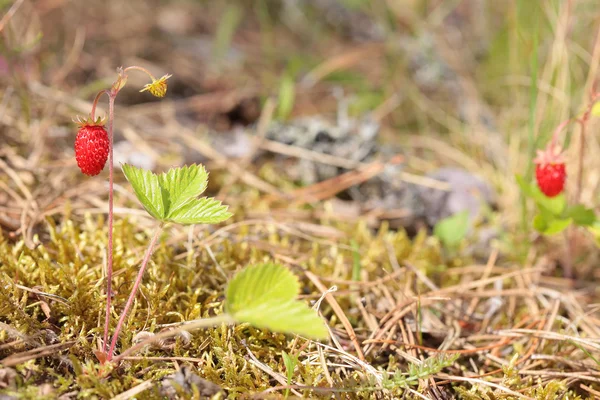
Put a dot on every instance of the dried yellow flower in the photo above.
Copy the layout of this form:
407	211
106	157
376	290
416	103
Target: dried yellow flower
158	87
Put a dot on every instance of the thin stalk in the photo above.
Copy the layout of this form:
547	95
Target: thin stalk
109	264
95	103
134	290
189	326
142	69
581	157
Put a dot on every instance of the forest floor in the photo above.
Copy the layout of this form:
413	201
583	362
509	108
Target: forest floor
481	311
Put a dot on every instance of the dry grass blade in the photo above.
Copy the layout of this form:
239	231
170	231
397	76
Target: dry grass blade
134	391
338	311
9	14
19	358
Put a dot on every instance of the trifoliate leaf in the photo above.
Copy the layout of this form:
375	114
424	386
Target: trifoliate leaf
264	296
183	184
148	190
452	230
172	196
200	211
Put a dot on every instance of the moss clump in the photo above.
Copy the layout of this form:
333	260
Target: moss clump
52	306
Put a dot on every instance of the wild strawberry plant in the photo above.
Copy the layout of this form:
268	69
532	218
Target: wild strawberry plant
263	295
554	214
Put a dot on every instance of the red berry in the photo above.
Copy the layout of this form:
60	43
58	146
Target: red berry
91	148
551	178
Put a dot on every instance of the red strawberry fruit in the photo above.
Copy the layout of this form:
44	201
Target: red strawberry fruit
550	171
91	147
551	178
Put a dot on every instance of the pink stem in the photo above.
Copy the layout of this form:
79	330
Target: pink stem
136	285
95	103
109	266
141	69
558	130
583	123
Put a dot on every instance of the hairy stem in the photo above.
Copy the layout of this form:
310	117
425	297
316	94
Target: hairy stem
186	327
136	285
109	264
95	103
581	157
144	70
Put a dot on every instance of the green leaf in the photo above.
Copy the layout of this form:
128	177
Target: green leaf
258	283
148	190
290	363
356	265
581	215
171	196
228	24
550	226
200	211
287	317
526	187
556	205
264	296
452	230
287	93
539	223
594	229
183	184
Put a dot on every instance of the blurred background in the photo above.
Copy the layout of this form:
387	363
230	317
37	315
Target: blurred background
417	99
328	126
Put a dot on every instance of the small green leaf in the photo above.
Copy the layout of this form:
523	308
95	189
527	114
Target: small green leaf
264	296
287	93
526	188
556	205
594	229
550	226
228	24
452	230
356	264
596	109
290	363
557	226
200	211
148	190
581	215
539	223
183	184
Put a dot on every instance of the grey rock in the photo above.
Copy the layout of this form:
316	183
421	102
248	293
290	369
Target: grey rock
185	380
467	192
